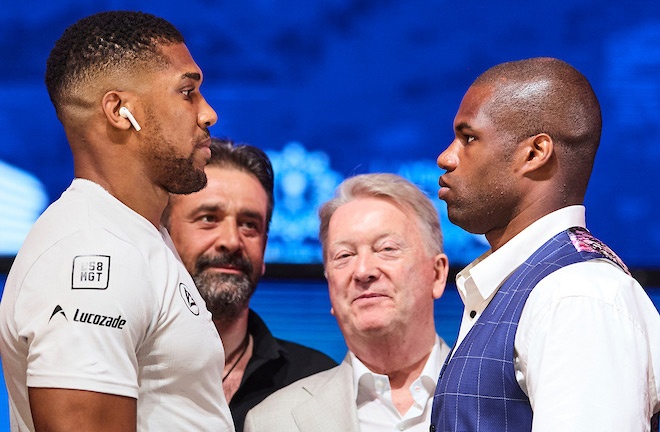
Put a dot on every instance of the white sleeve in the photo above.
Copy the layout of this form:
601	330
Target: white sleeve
84	308
585	350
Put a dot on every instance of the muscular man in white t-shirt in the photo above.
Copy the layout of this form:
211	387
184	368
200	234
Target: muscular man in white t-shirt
101	327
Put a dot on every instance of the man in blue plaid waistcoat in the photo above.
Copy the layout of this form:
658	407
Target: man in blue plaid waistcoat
556	335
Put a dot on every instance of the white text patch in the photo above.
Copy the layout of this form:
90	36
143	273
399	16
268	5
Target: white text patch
90	272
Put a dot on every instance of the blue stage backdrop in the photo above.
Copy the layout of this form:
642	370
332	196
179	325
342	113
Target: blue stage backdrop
340	87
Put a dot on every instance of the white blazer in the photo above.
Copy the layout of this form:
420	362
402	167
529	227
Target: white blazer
323	402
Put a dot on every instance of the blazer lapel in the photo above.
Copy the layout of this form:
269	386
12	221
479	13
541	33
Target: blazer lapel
331	407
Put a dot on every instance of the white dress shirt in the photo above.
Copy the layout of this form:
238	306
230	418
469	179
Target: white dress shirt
376	410
587	349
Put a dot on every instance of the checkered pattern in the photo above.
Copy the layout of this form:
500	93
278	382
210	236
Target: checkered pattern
477	389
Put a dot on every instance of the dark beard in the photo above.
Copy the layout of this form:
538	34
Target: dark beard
226	295
177	175
180	175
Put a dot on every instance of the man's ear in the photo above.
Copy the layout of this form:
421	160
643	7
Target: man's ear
441	268
537	150
111	103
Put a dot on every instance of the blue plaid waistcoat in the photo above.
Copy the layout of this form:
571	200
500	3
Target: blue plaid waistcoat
477	388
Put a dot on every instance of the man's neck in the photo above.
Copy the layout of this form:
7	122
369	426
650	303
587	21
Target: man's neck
400	363
233	333
116	169
401	367
238	350
536	208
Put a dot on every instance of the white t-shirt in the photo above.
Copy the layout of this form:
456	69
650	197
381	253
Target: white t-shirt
97	299
587	348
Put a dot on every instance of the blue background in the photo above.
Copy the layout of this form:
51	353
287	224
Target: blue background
340	87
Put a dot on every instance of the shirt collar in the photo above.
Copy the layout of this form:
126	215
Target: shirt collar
428	377
479	280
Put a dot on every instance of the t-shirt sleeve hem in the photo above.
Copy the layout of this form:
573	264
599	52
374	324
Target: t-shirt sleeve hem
80	384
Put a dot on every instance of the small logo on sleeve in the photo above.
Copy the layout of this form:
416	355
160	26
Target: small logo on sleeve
58	311
188	299
90	272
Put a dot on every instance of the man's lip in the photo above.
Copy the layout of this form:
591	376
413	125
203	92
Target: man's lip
205	146
204	143
443	187
225	269
371	295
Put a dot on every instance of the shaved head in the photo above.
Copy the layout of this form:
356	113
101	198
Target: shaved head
546	95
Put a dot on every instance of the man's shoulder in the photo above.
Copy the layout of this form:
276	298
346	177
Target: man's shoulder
323	401
304	389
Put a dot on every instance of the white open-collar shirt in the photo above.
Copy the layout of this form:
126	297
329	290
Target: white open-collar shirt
587	348
376	410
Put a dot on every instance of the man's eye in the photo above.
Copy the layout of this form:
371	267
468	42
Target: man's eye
251	228
388	250
187	93
470	138
342	255
207	219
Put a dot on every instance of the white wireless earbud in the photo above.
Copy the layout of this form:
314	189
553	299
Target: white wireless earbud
124	112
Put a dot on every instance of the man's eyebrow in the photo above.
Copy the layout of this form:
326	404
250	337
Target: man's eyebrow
463	126
192	75
207	208
250	214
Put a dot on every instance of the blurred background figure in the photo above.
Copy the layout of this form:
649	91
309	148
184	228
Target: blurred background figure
221	233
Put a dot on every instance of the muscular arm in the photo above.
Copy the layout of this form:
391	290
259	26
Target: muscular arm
55	410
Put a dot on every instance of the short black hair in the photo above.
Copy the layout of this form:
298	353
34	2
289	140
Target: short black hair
105	42
247	158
